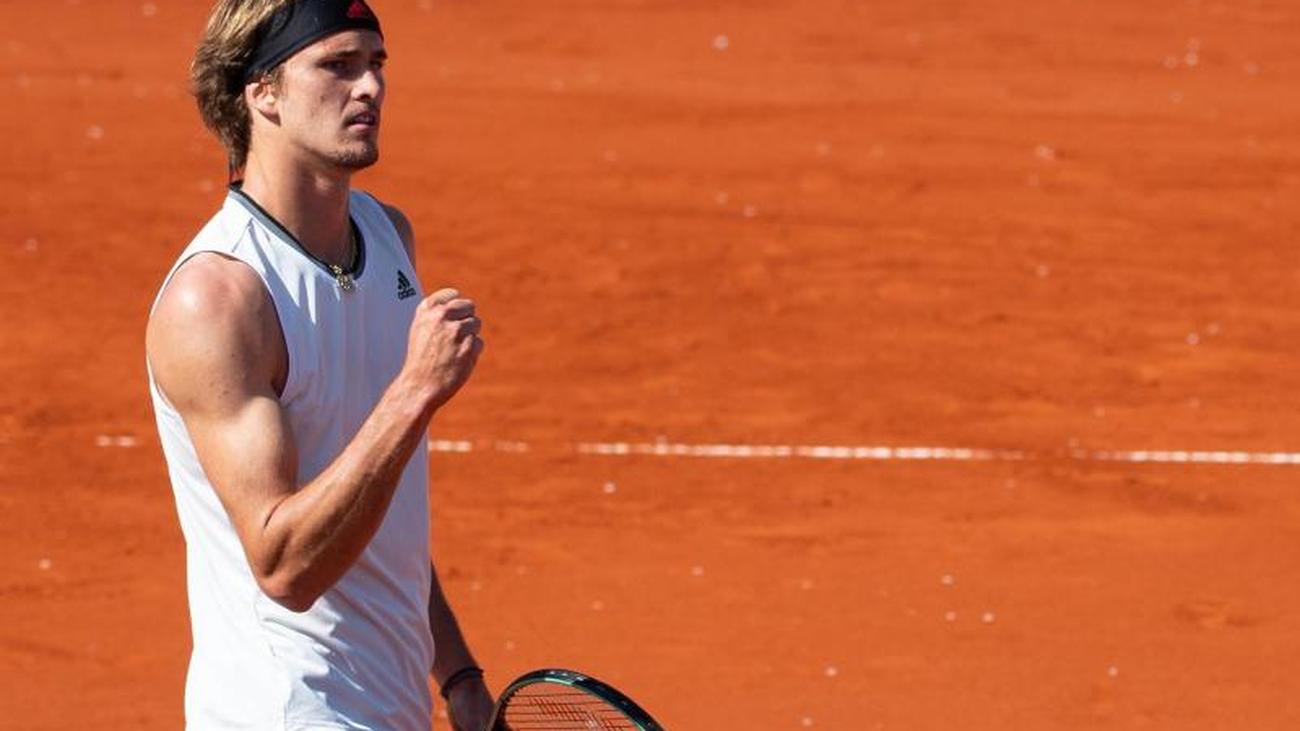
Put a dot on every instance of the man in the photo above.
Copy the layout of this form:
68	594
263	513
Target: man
294	369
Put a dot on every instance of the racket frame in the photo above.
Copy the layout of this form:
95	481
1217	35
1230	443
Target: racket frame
583	682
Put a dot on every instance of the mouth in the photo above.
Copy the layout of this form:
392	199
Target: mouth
364	120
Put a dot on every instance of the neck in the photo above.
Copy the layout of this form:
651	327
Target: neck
312	205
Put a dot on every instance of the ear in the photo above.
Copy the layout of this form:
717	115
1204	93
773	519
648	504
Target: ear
263	98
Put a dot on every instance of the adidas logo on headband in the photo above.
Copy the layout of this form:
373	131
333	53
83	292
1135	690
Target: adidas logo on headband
359	9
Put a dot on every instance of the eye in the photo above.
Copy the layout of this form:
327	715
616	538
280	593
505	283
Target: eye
335	64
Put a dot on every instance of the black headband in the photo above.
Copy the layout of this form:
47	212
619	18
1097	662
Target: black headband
299	23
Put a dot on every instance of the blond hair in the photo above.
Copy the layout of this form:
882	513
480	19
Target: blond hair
217	72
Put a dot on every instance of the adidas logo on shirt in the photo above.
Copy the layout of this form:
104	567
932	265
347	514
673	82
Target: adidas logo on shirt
404	288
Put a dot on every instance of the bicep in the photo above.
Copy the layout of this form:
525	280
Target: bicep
246	449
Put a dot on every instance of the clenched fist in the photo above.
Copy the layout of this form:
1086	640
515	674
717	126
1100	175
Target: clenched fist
444	345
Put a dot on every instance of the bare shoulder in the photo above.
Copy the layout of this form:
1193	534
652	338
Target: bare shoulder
214	330
404	228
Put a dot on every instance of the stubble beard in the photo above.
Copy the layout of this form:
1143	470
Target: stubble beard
357	158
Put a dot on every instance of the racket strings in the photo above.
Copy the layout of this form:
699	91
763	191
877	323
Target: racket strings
550	707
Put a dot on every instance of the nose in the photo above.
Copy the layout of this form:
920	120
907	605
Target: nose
370	85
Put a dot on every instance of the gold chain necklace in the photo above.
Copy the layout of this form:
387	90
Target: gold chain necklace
344	277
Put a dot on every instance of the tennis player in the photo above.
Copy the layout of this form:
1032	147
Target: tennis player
295	366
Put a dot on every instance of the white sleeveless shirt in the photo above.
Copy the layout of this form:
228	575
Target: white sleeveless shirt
360	657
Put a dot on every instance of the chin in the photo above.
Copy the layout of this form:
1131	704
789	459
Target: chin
357	158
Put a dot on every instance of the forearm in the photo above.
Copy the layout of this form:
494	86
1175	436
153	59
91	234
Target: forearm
452	651
311	537
469	702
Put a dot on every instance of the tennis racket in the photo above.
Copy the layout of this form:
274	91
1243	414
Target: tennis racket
564	700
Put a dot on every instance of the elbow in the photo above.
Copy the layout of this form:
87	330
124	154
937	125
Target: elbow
284	578
288	590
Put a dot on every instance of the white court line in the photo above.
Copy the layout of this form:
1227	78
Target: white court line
450	445
877	453
781	451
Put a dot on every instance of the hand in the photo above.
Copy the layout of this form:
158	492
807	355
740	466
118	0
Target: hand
470	705
444	345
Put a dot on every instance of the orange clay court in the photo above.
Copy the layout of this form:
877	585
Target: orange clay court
1053	230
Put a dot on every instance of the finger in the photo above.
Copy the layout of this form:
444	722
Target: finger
470	347
460	309
442	296
468	327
